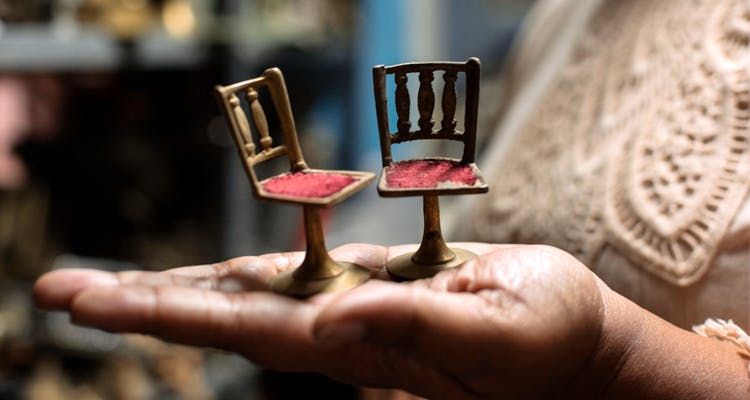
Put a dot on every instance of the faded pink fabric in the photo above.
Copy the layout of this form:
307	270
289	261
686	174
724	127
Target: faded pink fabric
428	174
311	185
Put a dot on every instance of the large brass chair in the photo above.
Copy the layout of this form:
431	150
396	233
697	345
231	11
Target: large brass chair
311	188
434	176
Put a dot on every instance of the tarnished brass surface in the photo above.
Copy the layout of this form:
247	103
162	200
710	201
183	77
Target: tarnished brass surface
318	272
433	249
351	276
433	254
403	267
242	129
426	104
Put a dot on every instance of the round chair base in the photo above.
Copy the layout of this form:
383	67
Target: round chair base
402	268
353	276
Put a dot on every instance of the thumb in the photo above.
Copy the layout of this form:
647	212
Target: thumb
434	326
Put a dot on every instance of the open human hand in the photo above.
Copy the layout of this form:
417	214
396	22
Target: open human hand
518	321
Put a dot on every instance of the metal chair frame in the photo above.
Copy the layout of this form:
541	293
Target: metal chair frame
318	272
433	254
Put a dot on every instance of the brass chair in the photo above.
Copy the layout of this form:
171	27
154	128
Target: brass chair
434	176
311	188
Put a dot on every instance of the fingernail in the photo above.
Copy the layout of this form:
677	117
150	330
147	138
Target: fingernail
341	332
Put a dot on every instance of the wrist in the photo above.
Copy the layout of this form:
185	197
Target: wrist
639	355
620	335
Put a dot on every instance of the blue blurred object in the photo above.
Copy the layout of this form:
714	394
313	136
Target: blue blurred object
380	40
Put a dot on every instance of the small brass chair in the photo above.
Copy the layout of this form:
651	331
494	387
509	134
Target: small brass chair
434	176
311	188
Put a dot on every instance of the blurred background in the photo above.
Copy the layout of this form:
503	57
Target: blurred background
114	155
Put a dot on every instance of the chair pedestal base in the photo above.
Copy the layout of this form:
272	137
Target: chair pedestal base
352	276
318	272
433	255
403	268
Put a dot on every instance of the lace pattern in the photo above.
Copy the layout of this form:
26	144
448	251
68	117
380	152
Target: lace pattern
726	331
642	143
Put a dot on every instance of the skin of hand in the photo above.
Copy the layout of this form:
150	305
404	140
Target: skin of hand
517	322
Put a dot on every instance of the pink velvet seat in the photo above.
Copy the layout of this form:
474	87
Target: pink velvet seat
429	174
310	186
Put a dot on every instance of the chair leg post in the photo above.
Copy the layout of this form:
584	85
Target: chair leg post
317	264
433	249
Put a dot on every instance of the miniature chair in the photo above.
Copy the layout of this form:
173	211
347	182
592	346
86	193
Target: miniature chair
312	189
428	177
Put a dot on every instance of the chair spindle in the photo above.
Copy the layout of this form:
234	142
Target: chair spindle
448	124
426	101
259	119
402	104
243	126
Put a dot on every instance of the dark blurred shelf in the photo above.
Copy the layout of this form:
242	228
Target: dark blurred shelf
34	47
47	47
29	47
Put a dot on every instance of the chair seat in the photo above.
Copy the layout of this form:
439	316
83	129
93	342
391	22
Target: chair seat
319	187
430	176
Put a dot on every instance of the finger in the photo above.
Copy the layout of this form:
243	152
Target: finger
474	247
408	318
481	249
370	256
499	312
422	339
237	274
373	296
268	329
54	290
366	255
423	316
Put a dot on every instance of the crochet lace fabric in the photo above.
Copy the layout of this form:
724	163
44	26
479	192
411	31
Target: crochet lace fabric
726	331
642	142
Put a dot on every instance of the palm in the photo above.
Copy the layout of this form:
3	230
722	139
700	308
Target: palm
502	322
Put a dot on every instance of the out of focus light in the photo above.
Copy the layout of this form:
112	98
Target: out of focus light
178	17
134	5
126	18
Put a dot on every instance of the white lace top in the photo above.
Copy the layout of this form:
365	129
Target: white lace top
626	141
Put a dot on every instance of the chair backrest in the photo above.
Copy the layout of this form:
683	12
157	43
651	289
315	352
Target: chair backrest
237	121
426	105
